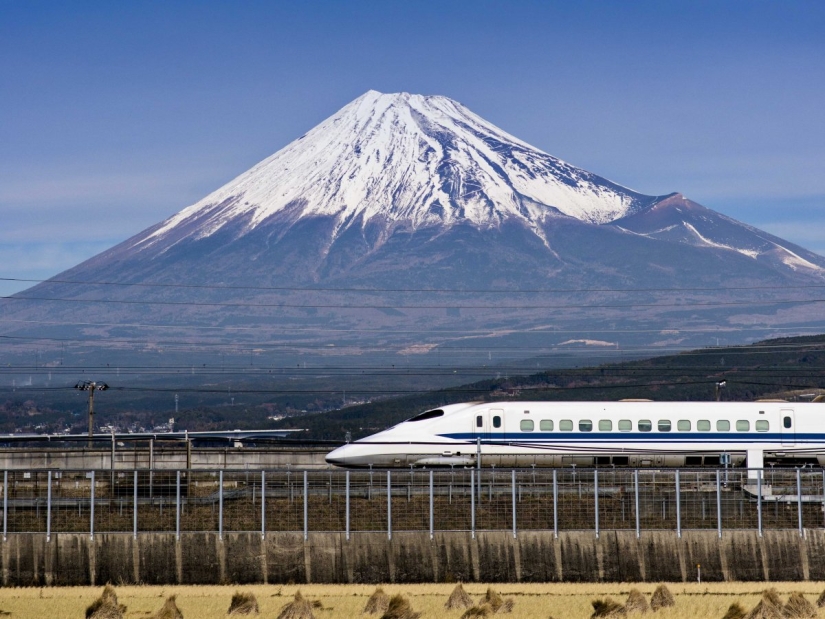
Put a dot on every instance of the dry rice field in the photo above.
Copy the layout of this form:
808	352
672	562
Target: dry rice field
560	601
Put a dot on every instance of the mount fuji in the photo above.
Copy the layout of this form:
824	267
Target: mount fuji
377	229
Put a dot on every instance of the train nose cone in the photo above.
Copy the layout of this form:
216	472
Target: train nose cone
340	456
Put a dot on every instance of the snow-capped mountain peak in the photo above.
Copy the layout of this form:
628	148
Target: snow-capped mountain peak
408	159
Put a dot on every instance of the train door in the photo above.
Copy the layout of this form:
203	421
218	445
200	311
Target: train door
481	426
497	422
487	423
787	427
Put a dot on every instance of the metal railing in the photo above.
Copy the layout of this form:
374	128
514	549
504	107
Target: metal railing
388	501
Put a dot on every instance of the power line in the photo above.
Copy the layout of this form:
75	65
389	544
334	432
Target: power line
340	306
402	290
460	389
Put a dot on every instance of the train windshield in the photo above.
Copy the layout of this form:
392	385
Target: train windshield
427	415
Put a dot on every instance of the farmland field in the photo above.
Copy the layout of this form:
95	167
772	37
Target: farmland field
561	601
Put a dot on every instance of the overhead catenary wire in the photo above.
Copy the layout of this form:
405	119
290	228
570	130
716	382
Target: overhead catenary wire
404	290
342	306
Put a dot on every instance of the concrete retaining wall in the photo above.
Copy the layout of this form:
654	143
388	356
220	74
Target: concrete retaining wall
172	457
203	558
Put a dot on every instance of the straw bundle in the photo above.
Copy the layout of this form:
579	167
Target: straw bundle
106	606
799	608
636	602
169	610
607	607
459	598
735	611
399	608
379	602
662	598
769	607
243	604
298	608
484	610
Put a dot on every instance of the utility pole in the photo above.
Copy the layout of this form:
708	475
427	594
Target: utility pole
719	386
91	387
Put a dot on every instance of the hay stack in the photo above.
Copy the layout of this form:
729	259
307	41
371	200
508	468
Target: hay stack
799	608
636	602
485	610
769	607
459	598
169	610
735	611
820	601
399	608
507	606
607	607
243	604
298	608
491	598
106	606
662	598
379	602
495	602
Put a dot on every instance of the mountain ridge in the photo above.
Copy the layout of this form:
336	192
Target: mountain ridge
408	192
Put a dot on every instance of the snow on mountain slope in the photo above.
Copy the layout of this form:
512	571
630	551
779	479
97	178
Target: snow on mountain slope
420	160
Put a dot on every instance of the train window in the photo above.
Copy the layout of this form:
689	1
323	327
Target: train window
479	421
786	422
427	415
722	425
527	425
546	425
605	425
645	425
565	425
762	425
625	425
664	425
683	425
585	425
496	421
743	425
703	425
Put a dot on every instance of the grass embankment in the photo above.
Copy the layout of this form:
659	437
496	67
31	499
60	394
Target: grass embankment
568	601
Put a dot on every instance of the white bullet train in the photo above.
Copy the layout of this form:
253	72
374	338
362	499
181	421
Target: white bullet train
625	433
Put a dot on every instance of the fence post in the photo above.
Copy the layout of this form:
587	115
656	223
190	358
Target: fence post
472	504
389	505
478	466
306	506
636	494
346	509
759	501
799	501
432	515
135	506
678	506
513	487
263	504
5	504
220	505
718	504
177	506
48	505
92	508
596	498
555	504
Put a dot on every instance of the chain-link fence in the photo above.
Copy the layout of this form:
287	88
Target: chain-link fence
412	500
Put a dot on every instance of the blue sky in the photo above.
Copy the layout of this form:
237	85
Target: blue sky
115	115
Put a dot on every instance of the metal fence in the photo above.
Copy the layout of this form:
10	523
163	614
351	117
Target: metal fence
388	501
